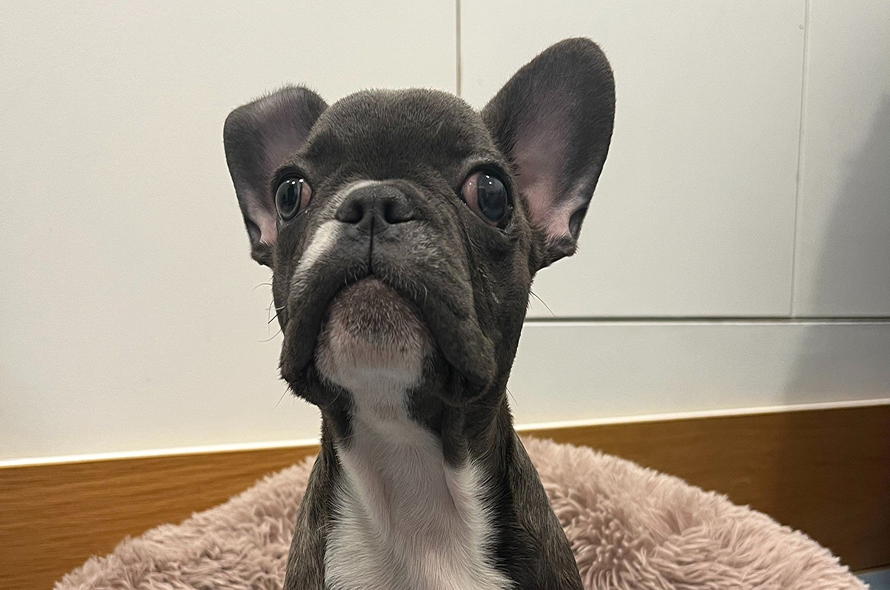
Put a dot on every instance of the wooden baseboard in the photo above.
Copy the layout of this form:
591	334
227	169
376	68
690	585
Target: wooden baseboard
826	472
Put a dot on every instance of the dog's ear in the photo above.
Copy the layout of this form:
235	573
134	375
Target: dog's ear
554	119
259	137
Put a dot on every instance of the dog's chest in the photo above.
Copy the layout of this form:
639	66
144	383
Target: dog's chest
404	519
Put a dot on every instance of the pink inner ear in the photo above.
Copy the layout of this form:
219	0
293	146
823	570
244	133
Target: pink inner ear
268	231
265	221
537	164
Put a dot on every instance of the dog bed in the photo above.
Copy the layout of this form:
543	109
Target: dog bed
630	528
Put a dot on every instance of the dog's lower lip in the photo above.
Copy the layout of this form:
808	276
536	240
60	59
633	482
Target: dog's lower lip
351	281
372	278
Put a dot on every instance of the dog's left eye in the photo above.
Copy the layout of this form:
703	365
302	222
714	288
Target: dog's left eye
487	196
292	196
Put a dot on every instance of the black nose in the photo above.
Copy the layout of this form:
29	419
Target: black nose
374	208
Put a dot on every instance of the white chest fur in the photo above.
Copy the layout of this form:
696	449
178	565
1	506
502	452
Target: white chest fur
406	520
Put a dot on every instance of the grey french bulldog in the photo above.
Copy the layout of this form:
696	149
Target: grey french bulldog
403	229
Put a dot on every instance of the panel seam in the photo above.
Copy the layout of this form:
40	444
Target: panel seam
804	79
458	74
799	320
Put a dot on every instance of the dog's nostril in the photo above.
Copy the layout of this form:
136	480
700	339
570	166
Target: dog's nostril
395	211
352	211
376	206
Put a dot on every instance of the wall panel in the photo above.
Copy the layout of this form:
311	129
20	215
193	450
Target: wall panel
694	214
843	238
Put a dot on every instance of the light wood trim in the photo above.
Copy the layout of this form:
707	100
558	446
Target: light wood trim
826	472
54	517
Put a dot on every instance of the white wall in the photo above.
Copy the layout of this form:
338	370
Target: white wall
744	207
695	210
843	255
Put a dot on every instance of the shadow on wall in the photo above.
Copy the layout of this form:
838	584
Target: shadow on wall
859	222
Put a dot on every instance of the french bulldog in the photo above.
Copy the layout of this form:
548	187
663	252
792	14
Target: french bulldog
403	229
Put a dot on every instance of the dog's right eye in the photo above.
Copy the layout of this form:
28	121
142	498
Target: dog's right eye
486	195
292	196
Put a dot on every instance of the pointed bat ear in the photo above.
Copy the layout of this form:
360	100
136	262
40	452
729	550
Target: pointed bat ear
554	120
259	137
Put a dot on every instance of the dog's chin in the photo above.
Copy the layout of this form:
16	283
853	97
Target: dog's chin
372	335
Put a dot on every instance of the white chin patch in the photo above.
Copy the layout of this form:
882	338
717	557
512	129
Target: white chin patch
372	337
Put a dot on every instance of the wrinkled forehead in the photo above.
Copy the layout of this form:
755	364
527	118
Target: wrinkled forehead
385	128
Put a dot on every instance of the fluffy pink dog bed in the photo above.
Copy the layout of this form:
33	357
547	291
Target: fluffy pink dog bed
630	528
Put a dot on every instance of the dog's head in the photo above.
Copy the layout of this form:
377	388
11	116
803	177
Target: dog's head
412	224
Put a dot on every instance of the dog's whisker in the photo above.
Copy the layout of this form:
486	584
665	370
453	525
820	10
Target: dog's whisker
510	393
278	310
273	337
544	303
286	389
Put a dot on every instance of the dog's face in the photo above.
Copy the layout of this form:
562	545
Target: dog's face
404	225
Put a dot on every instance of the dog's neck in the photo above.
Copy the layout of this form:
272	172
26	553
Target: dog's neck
404	517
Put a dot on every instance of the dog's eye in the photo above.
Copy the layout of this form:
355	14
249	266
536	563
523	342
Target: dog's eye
292	196
487	196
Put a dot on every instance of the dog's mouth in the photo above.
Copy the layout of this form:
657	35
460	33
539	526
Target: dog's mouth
388	321
371	331
371	312
363	319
